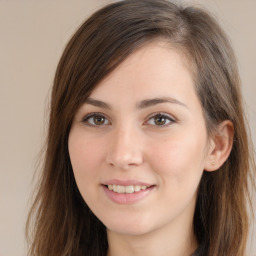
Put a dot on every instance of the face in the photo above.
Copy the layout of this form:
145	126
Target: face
138	145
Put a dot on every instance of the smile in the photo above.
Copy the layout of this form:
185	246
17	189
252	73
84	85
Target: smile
127	193
126	189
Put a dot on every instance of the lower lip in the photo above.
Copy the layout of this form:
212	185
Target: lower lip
127	198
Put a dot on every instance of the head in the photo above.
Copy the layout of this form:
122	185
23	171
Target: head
106	40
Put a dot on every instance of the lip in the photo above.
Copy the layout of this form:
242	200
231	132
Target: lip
127	198
126	182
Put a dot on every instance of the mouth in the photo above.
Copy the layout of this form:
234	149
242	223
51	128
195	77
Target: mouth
126	189
127	192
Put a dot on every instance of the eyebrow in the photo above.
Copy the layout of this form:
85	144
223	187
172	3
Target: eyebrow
155	101
97	103
140	105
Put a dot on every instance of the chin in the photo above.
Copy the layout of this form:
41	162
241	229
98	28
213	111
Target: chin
130	231
129	226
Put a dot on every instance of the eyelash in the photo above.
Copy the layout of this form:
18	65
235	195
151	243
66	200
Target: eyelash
166	117
94	115
161	115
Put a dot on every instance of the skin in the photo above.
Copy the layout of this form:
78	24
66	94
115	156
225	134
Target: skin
129	144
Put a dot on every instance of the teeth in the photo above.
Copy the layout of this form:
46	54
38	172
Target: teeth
137	188
120	189
129	189
126	189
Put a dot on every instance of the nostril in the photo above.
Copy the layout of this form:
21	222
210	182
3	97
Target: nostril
124	160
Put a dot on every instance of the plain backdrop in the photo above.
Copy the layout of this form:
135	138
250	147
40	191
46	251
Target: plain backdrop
32	37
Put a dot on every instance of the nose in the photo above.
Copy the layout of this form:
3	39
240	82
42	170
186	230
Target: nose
125	149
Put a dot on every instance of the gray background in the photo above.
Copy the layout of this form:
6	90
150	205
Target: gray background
33	35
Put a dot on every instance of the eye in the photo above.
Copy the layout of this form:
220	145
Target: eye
95	119
160	120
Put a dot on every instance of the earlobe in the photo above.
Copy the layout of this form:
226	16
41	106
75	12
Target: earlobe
220	146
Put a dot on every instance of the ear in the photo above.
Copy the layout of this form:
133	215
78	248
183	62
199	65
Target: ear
220	146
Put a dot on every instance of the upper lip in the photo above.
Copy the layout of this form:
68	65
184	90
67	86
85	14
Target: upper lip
126	182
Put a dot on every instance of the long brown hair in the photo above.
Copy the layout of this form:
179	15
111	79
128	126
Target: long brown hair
60	221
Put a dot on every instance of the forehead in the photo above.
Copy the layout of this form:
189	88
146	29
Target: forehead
151	69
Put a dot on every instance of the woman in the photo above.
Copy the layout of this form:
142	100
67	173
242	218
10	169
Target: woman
147	150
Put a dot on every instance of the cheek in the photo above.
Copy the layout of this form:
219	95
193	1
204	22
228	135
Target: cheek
180	159
85	151
86	157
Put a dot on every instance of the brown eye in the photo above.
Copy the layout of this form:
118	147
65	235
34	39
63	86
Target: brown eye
99	120
160	120
95	119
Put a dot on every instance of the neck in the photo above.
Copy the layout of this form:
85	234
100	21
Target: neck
165	241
